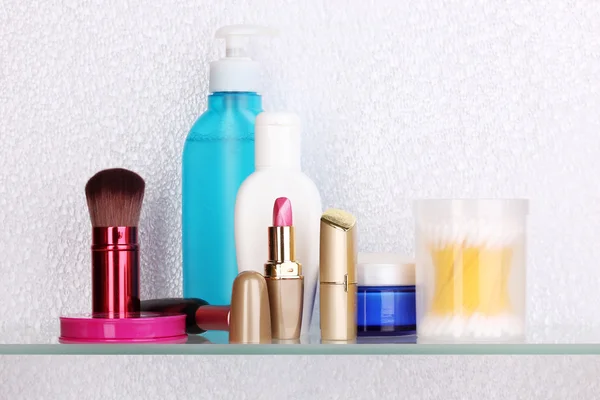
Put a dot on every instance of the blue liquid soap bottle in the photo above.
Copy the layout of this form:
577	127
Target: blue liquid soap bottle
218	155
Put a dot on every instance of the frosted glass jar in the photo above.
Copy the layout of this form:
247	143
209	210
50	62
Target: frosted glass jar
470	269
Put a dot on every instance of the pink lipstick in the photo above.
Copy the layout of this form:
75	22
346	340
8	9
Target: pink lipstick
282	212
283	274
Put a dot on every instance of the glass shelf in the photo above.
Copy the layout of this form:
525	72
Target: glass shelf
545	340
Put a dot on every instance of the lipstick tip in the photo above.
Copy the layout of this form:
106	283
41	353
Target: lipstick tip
282	212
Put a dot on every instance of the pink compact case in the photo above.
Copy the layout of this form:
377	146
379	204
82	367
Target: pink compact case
143	328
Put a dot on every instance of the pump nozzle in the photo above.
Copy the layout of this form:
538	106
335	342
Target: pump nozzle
236	37
237	72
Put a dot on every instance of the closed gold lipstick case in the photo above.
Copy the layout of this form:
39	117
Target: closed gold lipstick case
285	284
337	271
249	318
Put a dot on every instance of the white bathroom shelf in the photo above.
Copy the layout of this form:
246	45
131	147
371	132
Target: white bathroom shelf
545	340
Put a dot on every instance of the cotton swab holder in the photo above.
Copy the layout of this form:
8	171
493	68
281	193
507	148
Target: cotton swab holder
470	269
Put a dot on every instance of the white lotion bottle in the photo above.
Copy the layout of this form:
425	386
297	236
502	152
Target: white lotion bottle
278	174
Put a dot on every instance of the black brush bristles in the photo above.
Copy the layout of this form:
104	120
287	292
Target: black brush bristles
114	197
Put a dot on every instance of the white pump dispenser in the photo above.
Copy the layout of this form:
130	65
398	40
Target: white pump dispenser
237	72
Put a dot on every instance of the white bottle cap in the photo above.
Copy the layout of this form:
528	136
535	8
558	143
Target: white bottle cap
277	140
383	269
237	72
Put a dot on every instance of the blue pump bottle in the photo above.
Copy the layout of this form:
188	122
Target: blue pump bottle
218	155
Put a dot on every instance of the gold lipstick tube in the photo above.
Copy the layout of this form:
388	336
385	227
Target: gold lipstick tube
338	276
285	284
249	318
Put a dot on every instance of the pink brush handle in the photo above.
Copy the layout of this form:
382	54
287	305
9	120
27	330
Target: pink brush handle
115	271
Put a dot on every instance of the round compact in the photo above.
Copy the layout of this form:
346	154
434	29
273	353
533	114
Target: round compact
386	295
146	328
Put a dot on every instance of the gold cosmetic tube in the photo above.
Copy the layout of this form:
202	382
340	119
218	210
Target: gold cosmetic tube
285	284
249	318
338	276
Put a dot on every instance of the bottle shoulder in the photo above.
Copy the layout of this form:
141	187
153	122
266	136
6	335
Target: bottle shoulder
268	185
223	124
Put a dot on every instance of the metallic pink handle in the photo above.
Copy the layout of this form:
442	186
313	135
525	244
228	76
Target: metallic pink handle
115	272
213	318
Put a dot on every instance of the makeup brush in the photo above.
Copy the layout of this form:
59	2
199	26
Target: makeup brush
114	198
200	316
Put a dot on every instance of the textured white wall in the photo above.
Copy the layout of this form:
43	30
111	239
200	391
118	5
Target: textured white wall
400	99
